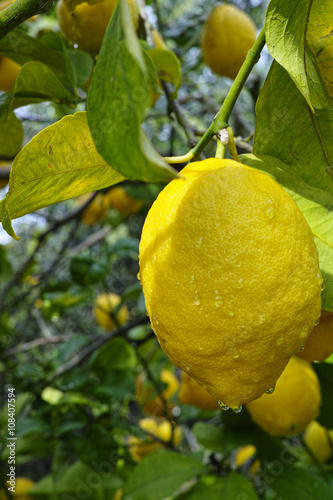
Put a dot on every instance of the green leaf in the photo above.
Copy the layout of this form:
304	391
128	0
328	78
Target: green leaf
286	29
116	354
317	207
232	486
22	48
59	163
210	437
167	65
293	482
160	475
117	99
325	374
11	137
36	82
286	129
82	63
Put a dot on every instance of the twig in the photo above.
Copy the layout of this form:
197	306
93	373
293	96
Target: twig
175	107
87	351
91	240
31	345
20	11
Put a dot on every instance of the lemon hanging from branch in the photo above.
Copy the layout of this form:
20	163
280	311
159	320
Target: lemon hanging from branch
231	279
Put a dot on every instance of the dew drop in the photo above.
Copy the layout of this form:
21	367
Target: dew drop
270	390
237	409
302	348
230	311
154	258
240	283
236	355
200	346
218	300
304	331
316	361
317	321
196	300
256	378
199	242
223	406
139	276
322	286
262	319
280	341
270	212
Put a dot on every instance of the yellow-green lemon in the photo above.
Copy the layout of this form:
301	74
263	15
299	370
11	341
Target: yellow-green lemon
227	36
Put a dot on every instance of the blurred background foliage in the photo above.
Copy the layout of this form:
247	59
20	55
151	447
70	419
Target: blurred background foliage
77	384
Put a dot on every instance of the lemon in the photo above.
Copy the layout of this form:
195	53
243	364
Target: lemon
293	404
154	406
319	345
4	164
106	311
319	440
243	457
125	204
228	34
8	73
161	429
118	494
230	275
191	393
86	26
96	211
22	486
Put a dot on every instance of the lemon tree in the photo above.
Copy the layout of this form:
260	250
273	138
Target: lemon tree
166	249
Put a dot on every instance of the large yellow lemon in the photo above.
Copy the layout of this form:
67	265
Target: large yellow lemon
230	275
227	36
191	393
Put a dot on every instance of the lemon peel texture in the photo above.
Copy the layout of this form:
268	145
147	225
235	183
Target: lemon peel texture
230	275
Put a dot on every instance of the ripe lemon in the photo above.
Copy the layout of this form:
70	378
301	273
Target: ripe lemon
4	164
230	275
154	406
22	486
243	457
161	429
319	440
319	345
293	404
191	393
118	199
86	26
106	311
227	36
8	73
96	211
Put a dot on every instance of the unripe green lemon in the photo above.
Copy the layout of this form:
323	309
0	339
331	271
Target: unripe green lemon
230	275
227	36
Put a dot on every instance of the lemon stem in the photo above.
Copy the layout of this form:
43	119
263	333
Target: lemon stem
313	456
220	150
232	145
221	119
20	11
179	159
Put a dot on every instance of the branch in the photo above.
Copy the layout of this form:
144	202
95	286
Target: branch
31	345
77	359
221	119
20	11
